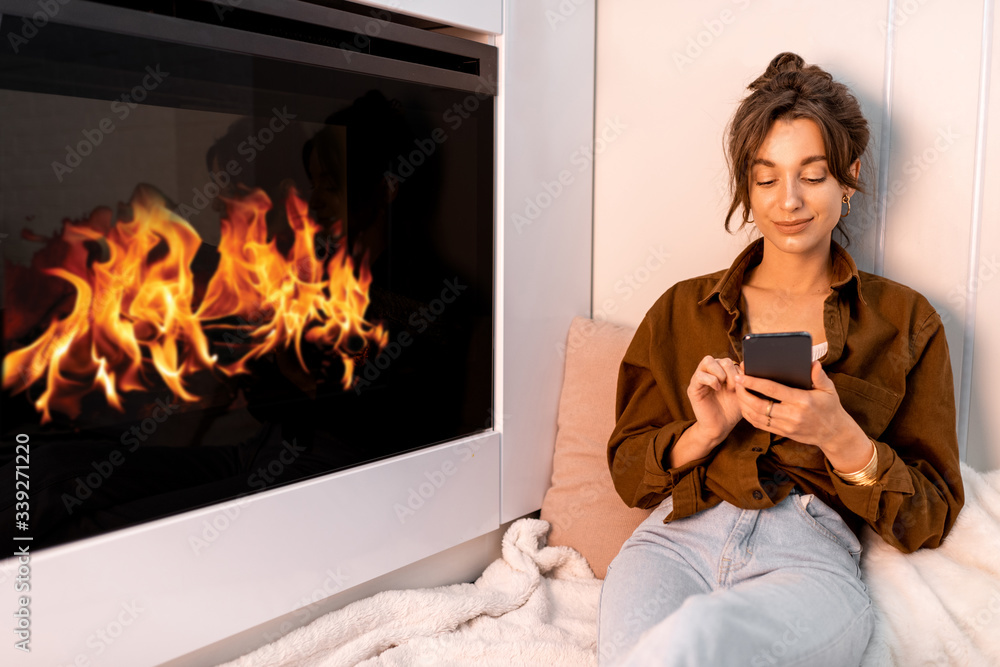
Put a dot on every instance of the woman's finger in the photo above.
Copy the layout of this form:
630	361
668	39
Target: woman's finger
749	403
712	365
761	413
769	388
707	379
732	370
724	369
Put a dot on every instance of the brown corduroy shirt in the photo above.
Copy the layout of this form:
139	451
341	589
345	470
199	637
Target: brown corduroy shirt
888	359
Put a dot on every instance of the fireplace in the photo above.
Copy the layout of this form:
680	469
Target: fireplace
240	249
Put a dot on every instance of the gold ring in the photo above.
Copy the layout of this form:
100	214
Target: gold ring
770	405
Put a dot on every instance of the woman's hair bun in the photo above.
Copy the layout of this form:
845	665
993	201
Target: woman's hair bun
785	62
788	64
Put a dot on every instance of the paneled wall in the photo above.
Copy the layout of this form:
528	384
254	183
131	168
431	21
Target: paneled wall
671	75
984	287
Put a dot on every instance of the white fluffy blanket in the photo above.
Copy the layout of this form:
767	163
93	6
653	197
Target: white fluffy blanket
941	606
537	605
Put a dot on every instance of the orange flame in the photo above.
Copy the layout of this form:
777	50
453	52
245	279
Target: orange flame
134	313
254	278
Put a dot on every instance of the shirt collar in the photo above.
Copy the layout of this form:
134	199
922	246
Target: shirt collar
729	286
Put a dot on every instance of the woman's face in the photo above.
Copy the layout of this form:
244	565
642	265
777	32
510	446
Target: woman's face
794	199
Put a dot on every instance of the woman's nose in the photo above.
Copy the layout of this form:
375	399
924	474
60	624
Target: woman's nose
791	197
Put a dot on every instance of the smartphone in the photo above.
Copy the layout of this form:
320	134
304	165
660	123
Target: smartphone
783	357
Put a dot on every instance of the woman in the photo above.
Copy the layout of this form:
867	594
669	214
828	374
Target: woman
751	555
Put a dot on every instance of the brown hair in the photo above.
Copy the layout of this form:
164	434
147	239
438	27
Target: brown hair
787	90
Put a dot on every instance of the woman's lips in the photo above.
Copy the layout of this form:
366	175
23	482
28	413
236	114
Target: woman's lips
792	226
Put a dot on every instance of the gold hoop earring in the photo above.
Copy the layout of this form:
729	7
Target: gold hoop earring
846	200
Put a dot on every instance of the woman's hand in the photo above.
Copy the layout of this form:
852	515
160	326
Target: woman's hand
814	417
712	392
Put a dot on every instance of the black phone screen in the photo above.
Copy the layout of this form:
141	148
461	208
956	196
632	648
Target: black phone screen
782	357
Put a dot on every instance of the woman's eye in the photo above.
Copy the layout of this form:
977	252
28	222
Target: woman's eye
763	183
816	180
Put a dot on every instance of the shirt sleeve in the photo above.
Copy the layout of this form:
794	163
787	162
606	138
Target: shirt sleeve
919	490
647	427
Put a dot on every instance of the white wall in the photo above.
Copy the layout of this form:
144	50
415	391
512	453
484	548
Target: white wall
984	417
674	73
935	100
547	188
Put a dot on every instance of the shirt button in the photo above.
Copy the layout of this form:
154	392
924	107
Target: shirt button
757	449
757	495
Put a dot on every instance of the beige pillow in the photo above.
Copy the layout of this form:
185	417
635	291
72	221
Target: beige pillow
581	504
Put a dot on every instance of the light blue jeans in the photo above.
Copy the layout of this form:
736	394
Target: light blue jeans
779	586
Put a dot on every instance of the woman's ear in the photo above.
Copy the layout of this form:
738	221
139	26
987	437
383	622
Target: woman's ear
855	170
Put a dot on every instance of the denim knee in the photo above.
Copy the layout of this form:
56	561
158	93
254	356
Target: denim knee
698	624
691	636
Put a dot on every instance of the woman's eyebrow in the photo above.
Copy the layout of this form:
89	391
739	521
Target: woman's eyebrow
808	160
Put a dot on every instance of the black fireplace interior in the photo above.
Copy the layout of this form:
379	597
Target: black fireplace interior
239	250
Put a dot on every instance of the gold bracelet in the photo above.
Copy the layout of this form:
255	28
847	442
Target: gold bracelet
865	476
